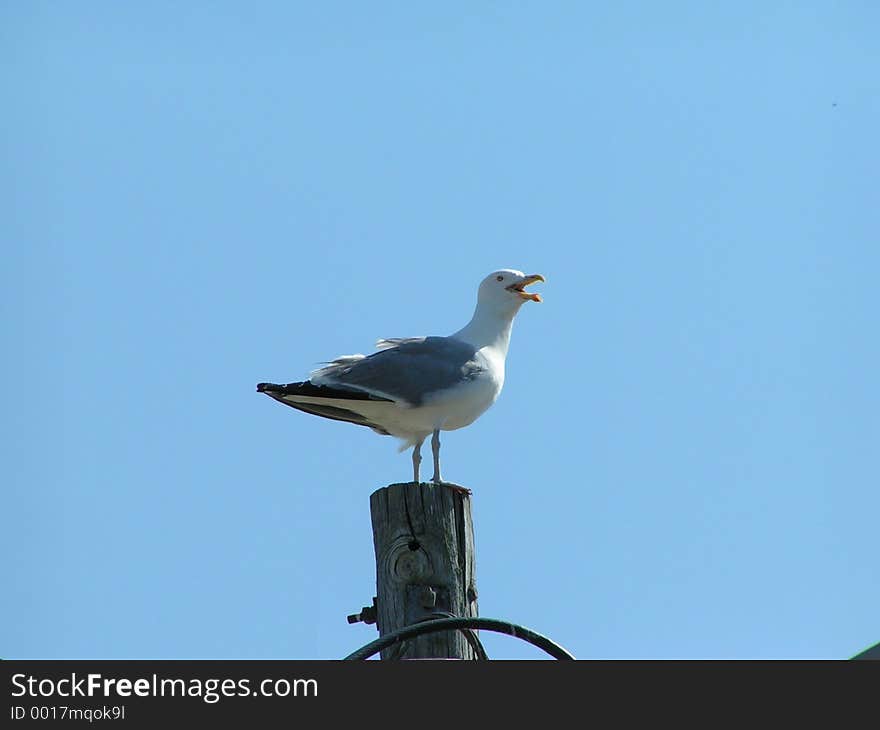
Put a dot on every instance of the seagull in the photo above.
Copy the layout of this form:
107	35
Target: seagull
415	387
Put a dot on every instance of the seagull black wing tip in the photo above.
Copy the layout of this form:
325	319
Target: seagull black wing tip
310	390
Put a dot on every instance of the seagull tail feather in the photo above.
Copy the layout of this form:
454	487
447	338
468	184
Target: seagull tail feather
337	404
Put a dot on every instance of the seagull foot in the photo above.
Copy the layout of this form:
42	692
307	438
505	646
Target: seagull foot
454	487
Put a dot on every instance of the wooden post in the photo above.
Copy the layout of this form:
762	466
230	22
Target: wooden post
424	541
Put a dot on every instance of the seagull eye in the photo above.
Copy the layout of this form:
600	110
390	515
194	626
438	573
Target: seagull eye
499	278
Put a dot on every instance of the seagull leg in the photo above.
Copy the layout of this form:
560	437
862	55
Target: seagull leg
437	479
417	459
435	449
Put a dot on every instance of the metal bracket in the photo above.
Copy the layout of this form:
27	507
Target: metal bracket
368	614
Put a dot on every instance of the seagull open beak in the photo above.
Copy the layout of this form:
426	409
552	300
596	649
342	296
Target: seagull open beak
519	287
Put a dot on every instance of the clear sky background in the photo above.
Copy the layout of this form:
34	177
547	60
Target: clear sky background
199	196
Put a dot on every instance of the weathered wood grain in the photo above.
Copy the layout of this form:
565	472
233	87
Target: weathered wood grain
427	572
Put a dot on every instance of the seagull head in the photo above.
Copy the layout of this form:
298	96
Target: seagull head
505	288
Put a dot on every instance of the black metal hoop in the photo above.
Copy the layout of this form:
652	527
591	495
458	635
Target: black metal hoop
446	624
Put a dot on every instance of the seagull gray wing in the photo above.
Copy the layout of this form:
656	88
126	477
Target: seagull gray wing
406	370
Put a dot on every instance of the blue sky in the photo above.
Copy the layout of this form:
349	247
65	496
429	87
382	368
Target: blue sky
198	197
